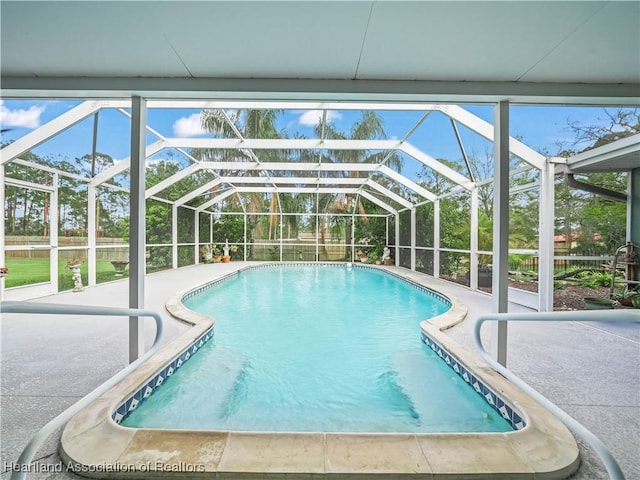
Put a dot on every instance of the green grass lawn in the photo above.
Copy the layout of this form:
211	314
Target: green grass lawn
26	271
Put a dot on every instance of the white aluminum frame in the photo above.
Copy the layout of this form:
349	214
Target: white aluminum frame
338	180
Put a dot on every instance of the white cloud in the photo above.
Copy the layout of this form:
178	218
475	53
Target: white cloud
189	126
311	118
20	118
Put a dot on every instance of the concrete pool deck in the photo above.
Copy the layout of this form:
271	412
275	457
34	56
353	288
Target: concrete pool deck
44	370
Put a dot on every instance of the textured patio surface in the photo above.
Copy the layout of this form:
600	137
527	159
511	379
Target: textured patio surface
591	371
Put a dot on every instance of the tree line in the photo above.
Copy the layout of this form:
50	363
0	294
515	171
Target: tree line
586	221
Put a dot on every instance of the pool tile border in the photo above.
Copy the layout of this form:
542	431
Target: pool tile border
217	281
134	401
496	402
542	448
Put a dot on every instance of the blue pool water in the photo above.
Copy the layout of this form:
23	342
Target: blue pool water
313	348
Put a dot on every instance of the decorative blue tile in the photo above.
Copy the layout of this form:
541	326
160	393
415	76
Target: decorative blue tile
131	403
139	394
493	399
476	385
517	421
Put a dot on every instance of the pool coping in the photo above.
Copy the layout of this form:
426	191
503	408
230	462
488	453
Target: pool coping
96	446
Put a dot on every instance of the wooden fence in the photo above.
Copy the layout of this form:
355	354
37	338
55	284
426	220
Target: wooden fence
112	253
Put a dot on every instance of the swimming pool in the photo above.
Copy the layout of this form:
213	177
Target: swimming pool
309	348
93	441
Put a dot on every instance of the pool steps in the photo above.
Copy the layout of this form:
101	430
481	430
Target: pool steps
543	448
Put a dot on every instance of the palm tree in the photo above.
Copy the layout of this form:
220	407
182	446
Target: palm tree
369	127
245	123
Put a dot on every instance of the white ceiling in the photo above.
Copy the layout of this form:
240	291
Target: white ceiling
516	49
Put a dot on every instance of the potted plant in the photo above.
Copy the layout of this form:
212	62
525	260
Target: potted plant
216	253
628	298
375	254
373	258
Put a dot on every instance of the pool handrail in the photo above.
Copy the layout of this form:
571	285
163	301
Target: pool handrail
610	463
26	457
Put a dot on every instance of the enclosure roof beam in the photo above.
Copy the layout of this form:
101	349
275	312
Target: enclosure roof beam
50	129
198	191
238	134
295	190
407	183
296	180
24	184
437	166
292	166
282	144
122	165
485	129
46	168
388	193
289	105
216	199
167	182
162	137
377	201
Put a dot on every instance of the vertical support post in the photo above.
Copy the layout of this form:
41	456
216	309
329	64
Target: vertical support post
92	242
633	212
317	226
53	233
137	230
413	238
353	238
397	239
2	205
281	233
244	215
196	236
473	243
546	218
174	236
500	285
210	228
386	230
436	238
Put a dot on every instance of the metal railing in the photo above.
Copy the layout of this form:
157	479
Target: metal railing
23	462
605	455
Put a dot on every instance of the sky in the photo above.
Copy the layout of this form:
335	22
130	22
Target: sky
543	128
